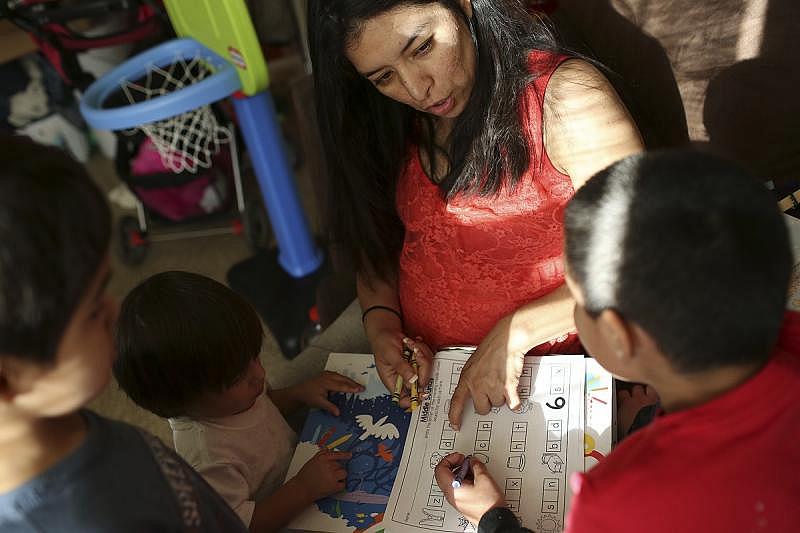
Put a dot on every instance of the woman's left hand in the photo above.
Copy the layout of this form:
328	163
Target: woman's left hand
491	375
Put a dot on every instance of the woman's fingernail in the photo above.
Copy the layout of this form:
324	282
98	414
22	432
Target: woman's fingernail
413	379
406	340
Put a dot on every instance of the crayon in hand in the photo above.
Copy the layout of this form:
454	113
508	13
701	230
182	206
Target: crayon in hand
461	472
414	382
408	355
398	388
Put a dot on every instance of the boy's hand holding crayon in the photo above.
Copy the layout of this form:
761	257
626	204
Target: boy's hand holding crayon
468	486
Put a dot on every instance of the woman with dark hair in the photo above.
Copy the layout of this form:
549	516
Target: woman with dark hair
455	131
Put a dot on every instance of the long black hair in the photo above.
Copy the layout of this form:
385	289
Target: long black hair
365	134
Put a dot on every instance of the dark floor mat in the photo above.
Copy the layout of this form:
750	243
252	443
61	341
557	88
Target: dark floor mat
282	301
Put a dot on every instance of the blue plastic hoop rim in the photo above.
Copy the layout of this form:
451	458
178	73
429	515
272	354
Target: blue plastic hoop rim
221	84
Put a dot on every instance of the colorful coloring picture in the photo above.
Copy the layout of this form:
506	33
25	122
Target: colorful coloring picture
793	224
599	425
373	429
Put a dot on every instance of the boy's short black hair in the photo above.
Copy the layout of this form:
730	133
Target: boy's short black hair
180	335
688	246
54	234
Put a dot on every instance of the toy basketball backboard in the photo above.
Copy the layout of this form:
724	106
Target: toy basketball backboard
225	27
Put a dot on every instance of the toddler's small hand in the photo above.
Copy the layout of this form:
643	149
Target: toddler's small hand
314	392
323	474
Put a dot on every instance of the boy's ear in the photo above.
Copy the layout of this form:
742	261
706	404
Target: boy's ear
6	389
466	5
15	378
618	335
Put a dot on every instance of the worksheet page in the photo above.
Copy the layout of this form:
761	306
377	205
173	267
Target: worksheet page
530	452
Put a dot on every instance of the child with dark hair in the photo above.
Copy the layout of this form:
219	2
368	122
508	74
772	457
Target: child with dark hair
679	263
189	351
62	467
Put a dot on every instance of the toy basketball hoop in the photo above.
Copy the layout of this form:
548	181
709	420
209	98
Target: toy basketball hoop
165	93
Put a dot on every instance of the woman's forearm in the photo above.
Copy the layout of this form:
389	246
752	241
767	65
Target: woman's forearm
376	291
544	319
383	293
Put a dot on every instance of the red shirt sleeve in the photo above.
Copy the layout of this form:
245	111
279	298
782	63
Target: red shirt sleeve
589	511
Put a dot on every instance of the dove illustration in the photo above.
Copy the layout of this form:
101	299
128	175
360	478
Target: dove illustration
376	429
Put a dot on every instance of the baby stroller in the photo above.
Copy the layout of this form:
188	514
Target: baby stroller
193	198
185	169
65	31
79	40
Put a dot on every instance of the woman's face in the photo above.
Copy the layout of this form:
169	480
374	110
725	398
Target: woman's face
422	56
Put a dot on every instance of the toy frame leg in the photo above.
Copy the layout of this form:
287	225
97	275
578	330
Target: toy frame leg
297	253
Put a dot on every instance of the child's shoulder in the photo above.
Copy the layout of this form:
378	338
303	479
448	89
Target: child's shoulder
117	464
116	449
789	339
114	444
90	475
721	453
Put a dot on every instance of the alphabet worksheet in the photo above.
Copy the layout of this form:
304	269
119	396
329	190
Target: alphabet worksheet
531	451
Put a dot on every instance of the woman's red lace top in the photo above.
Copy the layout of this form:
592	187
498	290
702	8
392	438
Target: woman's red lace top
468	262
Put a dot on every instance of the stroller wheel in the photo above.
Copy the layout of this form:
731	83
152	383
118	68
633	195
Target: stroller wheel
132	243
257	229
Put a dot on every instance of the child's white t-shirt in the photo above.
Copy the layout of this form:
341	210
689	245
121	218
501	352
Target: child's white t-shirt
244	457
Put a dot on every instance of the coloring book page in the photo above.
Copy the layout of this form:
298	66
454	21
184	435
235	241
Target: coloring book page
373	429
793	225
530	452
599	420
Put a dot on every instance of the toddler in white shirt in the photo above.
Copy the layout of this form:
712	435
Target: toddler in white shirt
188	351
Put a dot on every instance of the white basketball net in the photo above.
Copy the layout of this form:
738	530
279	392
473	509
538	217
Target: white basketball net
186	141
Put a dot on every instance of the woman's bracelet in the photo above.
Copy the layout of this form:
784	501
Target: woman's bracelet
385	308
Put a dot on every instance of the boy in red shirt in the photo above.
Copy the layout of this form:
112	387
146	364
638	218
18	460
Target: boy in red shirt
679	263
